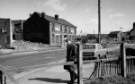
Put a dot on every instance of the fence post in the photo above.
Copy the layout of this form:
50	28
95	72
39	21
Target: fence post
123	60
1	77
79	65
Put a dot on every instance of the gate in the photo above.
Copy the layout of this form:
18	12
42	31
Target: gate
109	66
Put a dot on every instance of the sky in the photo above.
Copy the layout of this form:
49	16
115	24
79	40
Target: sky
115	14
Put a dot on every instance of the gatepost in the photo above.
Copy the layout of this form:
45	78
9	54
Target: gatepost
79	65
123	59
77	60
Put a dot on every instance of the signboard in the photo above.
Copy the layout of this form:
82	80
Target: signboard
88	46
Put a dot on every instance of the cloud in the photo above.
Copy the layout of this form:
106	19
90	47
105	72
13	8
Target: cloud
116	15
56	5
94	21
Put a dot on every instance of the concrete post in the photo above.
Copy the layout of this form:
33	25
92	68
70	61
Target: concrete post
79	66
123	60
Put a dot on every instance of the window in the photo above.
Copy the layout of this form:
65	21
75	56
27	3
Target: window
57	38
88	46
72	30
68	29
53	37
3	30
52	27
65	29
57	27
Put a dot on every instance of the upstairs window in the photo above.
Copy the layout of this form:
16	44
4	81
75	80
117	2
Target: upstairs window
57	27
68	30
52	27
3	30
72	30
65	29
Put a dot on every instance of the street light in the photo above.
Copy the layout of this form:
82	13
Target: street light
99	22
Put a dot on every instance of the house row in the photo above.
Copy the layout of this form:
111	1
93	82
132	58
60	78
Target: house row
116	35
39	27
128	35
47	29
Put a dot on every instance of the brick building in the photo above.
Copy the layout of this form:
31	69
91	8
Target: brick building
40	27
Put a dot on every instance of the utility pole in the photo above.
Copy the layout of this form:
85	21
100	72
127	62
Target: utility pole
99	22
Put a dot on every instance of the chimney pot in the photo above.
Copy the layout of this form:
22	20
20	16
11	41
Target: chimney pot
56	16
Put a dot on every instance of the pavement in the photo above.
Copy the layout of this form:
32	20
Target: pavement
49	75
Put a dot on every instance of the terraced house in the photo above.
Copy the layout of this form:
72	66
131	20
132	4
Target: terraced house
40	27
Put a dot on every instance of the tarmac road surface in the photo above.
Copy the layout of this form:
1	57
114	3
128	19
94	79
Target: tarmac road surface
33	59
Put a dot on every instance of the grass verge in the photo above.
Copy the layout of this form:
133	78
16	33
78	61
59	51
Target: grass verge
113	80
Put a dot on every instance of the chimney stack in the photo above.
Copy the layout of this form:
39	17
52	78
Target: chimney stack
56	16
134	25
43	15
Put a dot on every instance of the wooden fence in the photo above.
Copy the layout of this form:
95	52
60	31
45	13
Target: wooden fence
118	65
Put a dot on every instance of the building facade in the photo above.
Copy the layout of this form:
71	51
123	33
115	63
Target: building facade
40	27
5	35
17	29
59	33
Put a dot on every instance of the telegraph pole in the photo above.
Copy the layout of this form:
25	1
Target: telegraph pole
99	22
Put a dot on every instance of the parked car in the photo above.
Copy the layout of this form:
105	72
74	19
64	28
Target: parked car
93	51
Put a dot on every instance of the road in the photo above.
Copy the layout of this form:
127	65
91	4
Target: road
19	61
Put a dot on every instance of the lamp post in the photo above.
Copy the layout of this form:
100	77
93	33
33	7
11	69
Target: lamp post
99	22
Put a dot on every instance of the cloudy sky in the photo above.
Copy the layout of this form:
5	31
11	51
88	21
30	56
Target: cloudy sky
115	14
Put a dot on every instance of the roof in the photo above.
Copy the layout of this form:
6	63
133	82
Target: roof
96	35
115	32
132	31
59	20
54	19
